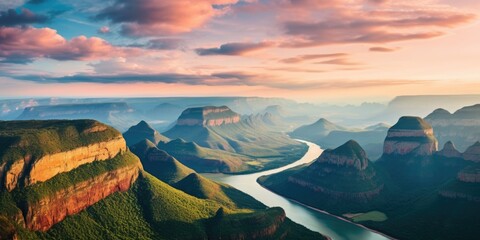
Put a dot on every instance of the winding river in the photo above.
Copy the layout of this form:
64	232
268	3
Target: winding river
315	220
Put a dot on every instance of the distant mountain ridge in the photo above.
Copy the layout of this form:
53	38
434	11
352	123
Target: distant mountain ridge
462	127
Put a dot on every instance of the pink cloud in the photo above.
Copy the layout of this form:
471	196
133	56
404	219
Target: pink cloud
21	45
156	17
104	30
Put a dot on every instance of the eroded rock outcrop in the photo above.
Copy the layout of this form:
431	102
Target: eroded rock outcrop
47	166
56	168
53	208
410	136
208	116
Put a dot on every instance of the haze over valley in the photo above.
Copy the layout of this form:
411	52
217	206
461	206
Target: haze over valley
239	119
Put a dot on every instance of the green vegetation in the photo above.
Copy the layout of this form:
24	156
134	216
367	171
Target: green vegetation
206	159
239	226
38	138
375	216
143	131
151	209
262	148
159	163
350	149
204	188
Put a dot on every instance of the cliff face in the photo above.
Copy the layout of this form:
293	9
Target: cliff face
410	136
50	165
65	167
43	168
466	186
42	215
208	116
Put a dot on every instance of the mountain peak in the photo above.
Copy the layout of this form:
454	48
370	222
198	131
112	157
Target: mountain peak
411	123
449	151
439	113
143	131
348	154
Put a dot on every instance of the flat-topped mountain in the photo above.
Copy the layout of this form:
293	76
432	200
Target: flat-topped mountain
410	136
59	168
208	116
221	128
143	131
341	174
461	127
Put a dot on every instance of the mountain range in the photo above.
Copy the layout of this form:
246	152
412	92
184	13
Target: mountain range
413	191
78	180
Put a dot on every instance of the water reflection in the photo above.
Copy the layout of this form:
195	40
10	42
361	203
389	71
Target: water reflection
335	228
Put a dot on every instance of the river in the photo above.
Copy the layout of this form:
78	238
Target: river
315	220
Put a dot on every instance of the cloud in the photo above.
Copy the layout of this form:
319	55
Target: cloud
104	30
302	58
382	49
24	17
234	49
158	18
339	61
23	45
163	44
235	78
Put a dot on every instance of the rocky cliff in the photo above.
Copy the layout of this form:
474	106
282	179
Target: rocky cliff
208	116
53	208
34	165
466	186
58	168
410	136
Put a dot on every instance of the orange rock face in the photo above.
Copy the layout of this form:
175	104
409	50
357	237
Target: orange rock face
54	208
49	166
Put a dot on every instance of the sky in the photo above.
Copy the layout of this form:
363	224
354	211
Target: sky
308	50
